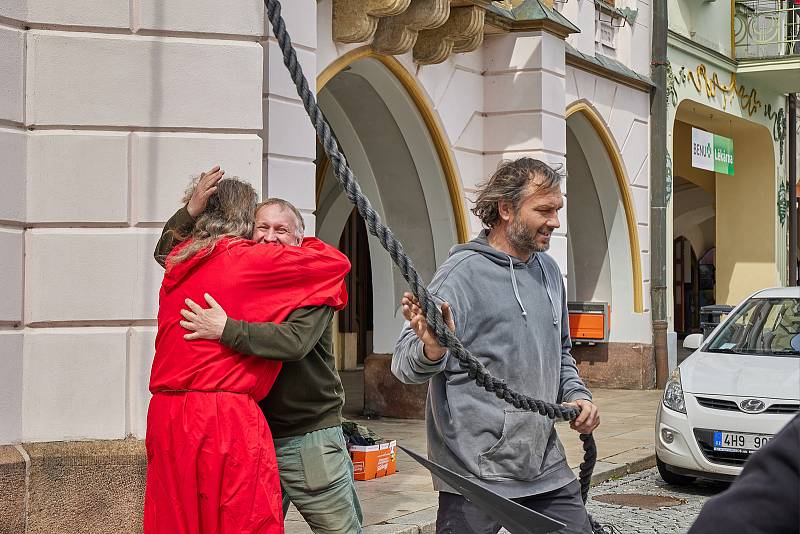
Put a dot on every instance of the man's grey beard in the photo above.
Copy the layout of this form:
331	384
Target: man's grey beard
522	239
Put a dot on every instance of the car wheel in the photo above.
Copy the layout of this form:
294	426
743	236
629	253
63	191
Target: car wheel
672	478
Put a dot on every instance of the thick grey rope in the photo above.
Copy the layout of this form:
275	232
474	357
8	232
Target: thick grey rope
344	174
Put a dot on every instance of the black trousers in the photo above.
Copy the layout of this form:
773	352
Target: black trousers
457	515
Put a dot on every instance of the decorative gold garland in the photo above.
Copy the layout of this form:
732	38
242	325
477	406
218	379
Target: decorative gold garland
749	102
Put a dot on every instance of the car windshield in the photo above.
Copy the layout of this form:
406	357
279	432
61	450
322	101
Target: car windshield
763	326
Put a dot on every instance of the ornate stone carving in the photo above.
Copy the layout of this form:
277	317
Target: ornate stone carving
463	32
398	34
355	21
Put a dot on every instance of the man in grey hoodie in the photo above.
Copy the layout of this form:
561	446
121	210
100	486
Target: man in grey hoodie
505	300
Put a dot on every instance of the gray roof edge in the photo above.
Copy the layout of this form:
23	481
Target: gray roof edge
610	64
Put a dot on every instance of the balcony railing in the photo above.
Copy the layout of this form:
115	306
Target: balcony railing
767	28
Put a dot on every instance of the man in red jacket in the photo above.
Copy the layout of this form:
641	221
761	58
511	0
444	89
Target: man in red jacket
211	461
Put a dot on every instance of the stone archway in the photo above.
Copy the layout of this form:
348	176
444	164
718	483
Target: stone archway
604	263
402	160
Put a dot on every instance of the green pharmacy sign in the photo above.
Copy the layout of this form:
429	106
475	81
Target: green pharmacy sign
712	152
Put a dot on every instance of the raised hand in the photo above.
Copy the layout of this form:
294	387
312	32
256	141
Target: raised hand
412	311
206	186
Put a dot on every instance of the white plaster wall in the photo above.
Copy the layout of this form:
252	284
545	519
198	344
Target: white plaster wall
524	84
631	41
289	139
625	112
107	110
74	384
11	385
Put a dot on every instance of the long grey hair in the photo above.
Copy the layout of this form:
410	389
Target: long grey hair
229	213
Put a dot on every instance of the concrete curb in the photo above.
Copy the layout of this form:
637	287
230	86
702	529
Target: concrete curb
424	521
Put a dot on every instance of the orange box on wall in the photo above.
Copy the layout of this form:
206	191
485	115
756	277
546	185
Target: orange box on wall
374	461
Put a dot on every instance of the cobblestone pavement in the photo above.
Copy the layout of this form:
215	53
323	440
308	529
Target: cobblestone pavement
633	520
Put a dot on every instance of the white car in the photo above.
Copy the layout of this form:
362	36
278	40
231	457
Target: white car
735	392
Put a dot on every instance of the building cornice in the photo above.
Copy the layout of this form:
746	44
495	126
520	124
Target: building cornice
591	65
703	53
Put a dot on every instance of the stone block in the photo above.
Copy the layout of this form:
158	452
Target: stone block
512	52
89	487
10	390
311	223
12	74
164	164
130	81
435	79
616	365
14	9
74	384
13	149
140	360
297	13
244	17
289	131
525	132
77	177
524	91
11	282
644	237
470	168
277	80
585	84
558	248
99	13
385	395
636	149
472	138
91	275
462	99
12	490
291	180
641	202
629	104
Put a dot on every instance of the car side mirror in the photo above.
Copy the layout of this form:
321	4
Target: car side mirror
693	341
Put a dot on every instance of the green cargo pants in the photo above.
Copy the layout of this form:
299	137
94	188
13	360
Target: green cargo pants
317	476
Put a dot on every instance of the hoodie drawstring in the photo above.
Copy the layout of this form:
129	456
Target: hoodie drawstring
547	289
514	283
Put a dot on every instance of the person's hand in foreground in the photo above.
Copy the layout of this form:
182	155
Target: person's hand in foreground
204	323
412	311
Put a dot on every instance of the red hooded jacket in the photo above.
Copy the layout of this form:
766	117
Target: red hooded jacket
252	282
211	462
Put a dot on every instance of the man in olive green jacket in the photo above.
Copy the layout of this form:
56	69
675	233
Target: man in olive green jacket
304	407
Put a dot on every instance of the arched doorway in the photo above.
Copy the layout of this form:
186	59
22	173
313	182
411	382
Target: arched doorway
728	220
686	287
401	158
603	255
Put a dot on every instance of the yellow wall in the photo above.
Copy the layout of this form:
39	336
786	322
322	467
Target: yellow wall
745	203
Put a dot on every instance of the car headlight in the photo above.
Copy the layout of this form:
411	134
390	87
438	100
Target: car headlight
673	392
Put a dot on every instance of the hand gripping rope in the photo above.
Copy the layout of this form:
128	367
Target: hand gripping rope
466	360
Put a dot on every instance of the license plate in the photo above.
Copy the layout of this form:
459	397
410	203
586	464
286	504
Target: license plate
737	442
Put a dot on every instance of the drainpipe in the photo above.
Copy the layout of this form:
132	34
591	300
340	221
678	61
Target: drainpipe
792	153
658	197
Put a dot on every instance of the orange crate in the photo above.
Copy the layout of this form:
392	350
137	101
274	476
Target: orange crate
374	461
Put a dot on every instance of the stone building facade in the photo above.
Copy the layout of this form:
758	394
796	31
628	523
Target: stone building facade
109	107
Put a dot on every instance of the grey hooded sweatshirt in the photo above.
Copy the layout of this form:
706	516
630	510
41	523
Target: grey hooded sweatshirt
512	315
